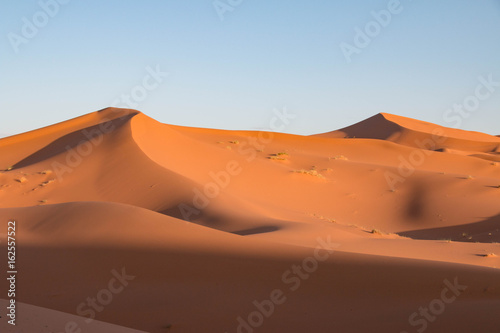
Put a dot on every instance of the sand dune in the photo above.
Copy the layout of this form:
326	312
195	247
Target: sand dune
209	221
418	134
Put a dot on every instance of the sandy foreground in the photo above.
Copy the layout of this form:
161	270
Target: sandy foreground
125	224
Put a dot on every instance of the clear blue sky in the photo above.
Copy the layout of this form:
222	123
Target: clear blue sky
264	55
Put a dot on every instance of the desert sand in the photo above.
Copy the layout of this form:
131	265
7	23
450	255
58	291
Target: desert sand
389	225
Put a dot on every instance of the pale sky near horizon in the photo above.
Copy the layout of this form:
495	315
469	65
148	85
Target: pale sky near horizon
62	60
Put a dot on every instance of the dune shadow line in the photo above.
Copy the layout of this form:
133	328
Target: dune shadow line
479	231
70	141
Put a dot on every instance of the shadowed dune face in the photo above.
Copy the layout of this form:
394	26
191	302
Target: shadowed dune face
227	213
419	134
376	127
90	136
17	147
486	231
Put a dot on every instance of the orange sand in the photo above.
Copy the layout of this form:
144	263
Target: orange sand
209	221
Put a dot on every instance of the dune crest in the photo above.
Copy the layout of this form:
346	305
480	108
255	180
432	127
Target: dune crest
417	134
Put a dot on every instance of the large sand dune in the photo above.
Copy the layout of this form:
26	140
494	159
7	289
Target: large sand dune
355	230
